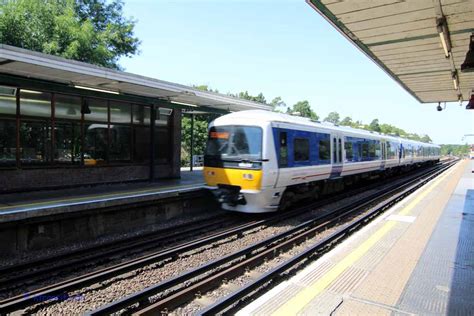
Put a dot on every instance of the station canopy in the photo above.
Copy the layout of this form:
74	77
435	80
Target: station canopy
421	44
34	65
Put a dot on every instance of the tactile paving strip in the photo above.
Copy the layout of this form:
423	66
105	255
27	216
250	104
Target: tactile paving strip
443	280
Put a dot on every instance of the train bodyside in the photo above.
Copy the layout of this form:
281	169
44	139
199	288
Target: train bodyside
270	154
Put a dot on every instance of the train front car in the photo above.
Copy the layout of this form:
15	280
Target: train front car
238	162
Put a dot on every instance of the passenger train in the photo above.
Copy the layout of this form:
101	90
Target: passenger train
258	161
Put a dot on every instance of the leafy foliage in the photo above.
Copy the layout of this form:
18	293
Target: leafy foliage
456	150
246	96
199	136
333	117
92	31
278	104
303	109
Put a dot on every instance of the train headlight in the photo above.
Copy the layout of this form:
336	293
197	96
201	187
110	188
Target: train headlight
248	176
210	173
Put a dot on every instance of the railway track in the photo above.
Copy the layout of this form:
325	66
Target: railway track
63	288
183	288
34	271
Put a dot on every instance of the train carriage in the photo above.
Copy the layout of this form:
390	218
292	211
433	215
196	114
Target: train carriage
259	161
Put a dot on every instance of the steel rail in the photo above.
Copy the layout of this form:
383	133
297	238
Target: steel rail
31	298
59	289
46	260
228	303
253	250
129	245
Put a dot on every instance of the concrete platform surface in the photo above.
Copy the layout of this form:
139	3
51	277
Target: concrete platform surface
20	206
417	258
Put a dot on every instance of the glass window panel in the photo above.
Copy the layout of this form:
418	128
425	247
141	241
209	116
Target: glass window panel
349	151
35	103
98	110
67	107
283	149
7	90
163	117
35	142
120	138
324	150
141	114
95	144
7	105
68	142
162	144
7	142
301	149
120	112
141	140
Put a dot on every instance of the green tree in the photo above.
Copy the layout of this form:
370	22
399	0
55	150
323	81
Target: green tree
259	98
347	121
375	126
199	136
333	117
456	150
205	87
304	109
278	104
92	31
426	139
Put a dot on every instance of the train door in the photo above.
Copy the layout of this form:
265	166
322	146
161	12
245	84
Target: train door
337	147
383	154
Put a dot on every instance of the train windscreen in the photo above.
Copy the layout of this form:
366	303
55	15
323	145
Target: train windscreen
234	147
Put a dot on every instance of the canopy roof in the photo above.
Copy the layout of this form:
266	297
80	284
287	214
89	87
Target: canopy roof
29	64
402	37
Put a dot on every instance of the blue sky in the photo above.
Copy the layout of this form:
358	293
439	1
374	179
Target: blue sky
280	48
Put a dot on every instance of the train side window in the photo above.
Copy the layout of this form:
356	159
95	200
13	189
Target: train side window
373	151
365	150
348	146
283	154
301	149
324	150
334	150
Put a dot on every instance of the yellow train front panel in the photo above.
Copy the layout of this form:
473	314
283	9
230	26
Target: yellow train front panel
246	179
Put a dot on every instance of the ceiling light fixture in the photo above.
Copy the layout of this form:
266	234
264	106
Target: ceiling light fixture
442	27
31	91
454	76
96	89
184	103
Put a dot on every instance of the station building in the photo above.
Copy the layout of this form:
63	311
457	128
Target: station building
66	123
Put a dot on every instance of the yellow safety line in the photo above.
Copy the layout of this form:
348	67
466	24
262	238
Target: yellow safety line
93	197
305	296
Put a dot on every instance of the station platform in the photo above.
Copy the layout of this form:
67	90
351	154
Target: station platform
417	258
56	220
21	206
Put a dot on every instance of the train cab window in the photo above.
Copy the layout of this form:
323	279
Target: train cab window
301	149
283	155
